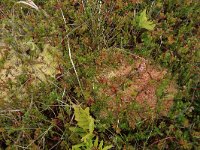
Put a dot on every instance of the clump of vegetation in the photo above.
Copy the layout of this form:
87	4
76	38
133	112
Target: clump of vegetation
134	64
86	129
131	87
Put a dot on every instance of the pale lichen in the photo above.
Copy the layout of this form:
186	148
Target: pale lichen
37	69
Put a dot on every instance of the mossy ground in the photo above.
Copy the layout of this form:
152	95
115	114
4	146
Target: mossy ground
142	86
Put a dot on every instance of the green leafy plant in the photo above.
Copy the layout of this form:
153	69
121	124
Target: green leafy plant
85	129
142	21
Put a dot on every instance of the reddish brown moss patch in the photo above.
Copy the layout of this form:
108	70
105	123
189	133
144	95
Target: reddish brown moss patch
132	86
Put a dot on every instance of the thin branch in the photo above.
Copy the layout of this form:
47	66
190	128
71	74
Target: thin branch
69	51
29	3
70	57
10	111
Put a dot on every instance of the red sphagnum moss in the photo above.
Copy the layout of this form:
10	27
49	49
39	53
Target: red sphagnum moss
129	83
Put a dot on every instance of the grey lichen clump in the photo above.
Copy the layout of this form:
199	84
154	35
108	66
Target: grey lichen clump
32	70
132	87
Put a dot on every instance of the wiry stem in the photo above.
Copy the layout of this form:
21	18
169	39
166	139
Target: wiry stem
70	57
